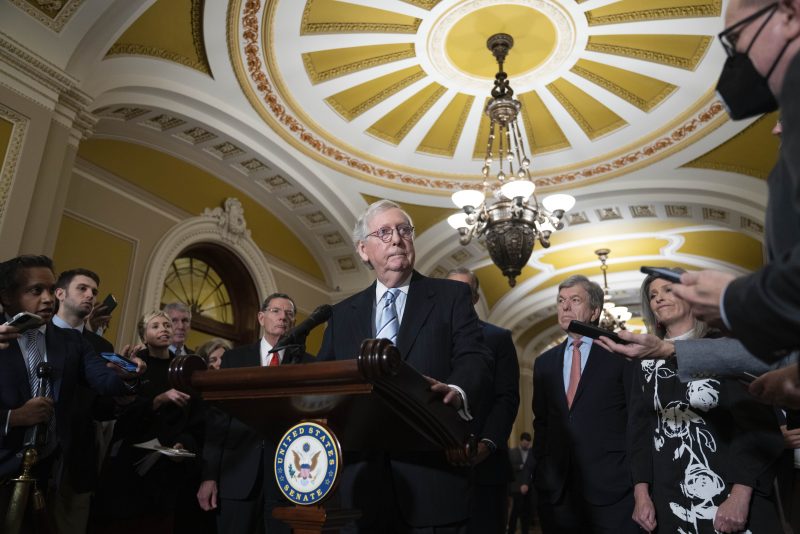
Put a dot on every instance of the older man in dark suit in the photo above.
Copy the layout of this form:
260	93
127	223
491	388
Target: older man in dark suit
493	423
436	330
580	407
237	462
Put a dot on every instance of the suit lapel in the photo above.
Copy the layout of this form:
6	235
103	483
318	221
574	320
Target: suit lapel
362	317
559	372
420	302
20	369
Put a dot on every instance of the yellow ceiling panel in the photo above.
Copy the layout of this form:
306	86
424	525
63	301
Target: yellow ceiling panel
642	91
169	29
423	217
495	285
354	101
533	32
396	124
6	129
732	247
634	11
332	16
443	136
564	258
193	190
544	133
325	65
423	4
681	51
753	151
594	118
479	150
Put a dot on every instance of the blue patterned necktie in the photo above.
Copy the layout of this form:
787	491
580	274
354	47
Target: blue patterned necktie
387	318
34	359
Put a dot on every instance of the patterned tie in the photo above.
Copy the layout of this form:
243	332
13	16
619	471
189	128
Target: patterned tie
34	359
387	319
574	371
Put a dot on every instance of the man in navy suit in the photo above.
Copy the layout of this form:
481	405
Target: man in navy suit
436	330
580	407
492	424
27	285
237	462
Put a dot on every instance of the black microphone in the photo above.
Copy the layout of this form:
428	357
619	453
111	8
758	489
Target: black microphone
36	436
298	334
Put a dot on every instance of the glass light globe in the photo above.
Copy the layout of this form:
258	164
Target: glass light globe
458	220
518	188
618	311
468	197
557	202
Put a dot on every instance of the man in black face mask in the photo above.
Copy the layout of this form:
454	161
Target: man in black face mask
762	309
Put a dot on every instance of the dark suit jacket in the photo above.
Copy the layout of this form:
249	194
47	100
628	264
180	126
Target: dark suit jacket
440	337
74	362
495	417
584	446
764	307
233	451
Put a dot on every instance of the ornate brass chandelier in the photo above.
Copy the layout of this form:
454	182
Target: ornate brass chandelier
513	220
614	317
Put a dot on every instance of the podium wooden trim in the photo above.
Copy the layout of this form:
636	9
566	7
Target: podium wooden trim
375	401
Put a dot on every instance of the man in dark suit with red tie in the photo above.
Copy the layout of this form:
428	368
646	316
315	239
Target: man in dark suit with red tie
237	462
436	330
580	407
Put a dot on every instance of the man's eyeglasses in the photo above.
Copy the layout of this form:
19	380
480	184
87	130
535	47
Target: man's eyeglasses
275	311
730	36
405	231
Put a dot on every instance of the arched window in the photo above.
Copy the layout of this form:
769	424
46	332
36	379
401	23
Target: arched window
217	287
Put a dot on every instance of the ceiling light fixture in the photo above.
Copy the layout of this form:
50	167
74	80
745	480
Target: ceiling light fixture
514	220
614	317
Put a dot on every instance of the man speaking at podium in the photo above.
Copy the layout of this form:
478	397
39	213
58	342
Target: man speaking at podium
435	328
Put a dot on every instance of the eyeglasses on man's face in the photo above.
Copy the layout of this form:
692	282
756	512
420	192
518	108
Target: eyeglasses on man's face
730	36
276	311
405	231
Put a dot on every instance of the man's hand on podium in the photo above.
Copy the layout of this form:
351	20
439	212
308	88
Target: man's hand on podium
450	394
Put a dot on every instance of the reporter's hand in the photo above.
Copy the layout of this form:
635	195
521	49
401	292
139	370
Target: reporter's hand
449	395
34	411
207	495
7	333
780	387
702	290
98	317
483	452
640	346
791	438
523	489
171	395
732	513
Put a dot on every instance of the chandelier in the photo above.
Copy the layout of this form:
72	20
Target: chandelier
613	317
513	220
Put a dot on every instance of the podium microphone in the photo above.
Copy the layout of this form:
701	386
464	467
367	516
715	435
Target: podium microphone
36	436
298	334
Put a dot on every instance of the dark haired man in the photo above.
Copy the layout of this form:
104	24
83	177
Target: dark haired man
521	491
237	473
27	284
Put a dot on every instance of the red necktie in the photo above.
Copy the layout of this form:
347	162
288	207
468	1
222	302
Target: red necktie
275	361
574	371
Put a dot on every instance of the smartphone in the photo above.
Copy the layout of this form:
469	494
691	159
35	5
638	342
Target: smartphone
25	321
119	361
109	303
662	272
594	332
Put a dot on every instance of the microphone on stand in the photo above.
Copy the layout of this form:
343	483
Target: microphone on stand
296	337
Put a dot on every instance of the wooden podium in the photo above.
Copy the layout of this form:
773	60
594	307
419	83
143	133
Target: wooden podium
373	402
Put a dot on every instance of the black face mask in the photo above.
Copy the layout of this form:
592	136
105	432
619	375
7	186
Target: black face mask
743	90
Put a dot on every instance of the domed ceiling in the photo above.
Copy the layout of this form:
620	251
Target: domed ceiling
314	108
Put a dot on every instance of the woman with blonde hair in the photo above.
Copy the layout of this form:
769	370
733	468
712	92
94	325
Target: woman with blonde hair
703	452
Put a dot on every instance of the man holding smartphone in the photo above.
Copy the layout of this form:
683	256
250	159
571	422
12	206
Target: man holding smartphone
27	284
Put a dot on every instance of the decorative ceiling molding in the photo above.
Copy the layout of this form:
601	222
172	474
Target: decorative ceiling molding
13	151
53	14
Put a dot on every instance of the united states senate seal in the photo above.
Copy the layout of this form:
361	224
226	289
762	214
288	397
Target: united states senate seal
307	463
